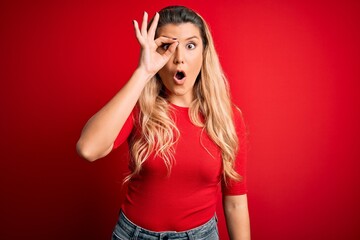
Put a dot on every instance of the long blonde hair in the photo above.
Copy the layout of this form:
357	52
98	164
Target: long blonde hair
158	132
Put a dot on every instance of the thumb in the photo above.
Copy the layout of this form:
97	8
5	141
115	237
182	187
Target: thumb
171	49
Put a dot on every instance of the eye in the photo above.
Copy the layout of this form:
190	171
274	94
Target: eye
165	46
190	46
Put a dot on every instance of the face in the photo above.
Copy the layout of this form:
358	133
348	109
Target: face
180	72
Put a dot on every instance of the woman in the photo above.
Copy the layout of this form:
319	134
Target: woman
185	137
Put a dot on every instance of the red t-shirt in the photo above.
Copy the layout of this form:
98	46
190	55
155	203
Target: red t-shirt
187	197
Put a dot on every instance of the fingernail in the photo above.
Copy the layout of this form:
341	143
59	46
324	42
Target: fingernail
174	38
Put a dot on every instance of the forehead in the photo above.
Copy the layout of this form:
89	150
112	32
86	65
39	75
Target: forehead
179	31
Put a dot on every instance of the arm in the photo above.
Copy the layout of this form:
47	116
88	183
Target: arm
237	217
99	133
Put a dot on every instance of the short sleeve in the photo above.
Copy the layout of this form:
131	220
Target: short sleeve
125	131
238	187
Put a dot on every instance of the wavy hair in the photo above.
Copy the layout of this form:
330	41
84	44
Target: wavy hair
156	131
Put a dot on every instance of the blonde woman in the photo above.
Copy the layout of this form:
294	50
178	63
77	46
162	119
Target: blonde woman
186	139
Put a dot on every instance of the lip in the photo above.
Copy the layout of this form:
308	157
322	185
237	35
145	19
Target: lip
178	81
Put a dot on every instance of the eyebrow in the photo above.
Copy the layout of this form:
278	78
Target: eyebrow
191	37
185	39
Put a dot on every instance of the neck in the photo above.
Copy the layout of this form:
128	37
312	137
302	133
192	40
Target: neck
180	101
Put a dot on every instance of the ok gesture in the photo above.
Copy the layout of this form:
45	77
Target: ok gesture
152	60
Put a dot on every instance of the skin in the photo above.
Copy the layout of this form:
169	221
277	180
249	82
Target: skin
171	51
99	133
188	58
237	217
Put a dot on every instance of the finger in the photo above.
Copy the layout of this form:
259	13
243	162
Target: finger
170	51
153	26
137	32
161	40
144	25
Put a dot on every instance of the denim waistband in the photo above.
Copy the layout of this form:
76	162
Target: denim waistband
138	232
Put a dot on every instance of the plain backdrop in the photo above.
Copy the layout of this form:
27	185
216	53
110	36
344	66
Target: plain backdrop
294	71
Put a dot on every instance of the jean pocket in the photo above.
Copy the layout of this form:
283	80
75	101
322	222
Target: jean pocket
212	236
115	237
120	234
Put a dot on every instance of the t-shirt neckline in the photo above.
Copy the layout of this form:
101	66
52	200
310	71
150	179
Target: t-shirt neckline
178	107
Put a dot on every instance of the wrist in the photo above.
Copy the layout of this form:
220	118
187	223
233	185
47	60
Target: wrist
140	78
144	73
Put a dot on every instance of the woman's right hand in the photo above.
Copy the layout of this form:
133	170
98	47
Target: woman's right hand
99	133
152	60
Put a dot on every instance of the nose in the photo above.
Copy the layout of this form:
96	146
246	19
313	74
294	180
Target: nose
178	56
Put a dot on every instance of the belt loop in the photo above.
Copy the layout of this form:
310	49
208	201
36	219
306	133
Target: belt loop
135	235
190	235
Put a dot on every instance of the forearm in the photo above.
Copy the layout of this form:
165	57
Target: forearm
100	131
237	217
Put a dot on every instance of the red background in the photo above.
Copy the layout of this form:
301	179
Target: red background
294	71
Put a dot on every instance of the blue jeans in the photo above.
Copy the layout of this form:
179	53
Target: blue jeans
126	230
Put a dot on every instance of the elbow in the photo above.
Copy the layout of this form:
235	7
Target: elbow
234	207
235	203
85	151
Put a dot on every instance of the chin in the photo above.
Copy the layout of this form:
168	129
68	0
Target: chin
179	93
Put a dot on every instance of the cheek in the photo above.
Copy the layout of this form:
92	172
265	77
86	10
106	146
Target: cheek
197	63
164	72
199	58
165	78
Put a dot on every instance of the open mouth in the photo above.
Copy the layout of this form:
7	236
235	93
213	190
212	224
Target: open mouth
179	75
